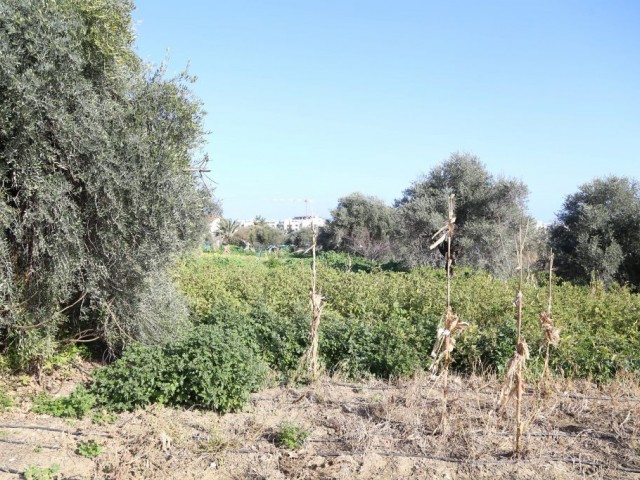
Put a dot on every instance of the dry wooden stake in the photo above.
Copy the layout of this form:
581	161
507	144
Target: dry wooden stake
450	324
513	384
316	310
551	334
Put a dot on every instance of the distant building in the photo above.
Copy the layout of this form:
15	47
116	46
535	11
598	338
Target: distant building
287	225
297	223
214	224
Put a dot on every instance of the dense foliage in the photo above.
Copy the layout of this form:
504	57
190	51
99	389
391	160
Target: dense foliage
76	405
257	236
361	225
488	214
301	238
98	195
383	323
96	192
211	367
597	234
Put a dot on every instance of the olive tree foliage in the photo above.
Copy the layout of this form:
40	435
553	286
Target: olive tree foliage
257	236
488	215
302	238
262	236
597	232
362	225
97	192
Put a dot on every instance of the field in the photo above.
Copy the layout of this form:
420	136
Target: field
384	322
361	430
374	412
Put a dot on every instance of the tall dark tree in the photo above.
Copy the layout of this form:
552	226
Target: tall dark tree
597	232
488	214
362	225
97	191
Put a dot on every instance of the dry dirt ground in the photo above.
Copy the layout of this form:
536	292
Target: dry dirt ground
373	430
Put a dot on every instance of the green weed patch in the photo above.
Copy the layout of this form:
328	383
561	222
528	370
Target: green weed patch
382	323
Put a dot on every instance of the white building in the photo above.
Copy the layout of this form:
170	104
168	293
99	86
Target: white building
288	225
214	224
297	223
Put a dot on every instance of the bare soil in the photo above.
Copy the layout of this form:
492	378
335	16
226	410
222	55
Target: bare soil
373	430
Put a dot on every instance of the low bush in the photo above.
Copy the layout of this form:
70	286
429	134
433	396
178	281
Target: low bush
348	263
388	347
345	262
35	472
213	366
291	435
76	405
89	449
280	340
6	402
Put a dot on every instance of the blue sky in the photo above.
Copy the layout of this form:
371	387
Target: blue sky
317	99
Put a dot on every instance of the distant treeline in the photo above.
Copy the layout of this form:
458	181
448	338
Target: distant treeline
596	236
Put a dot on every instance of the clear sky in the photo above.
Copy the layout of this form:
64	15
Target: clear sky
316	99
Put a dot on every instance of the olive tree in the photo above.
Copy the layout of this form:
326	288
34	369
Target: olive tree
362	225
488	215
597	233
97	190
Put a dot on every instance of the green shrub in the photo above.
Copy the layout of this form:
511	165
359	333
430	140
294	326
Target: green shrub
274	262
279	339
291	436
76	405
282	340
348	263
486	347
65	357
28	350
89	449
6	403
35	472
104	418
383	348
137	379
212	366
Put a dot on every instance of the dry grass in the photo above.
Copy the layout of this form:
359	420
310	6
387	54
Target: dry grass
375	430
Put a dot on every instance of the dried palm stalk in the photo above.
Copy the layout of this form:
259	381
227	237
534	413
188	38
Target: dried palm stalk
513	384
445	339
552	334
316	304
450	324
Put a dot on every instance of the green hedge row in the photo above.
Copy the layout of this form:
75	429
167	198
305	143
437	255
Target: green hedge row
383	323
